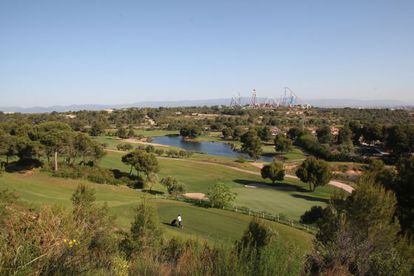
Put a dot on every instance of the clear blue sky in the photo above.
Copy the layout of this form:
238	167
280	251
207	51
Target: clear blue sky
111	52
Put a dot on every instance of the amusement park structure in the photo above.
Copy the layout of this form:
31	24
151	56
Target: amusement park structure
288	98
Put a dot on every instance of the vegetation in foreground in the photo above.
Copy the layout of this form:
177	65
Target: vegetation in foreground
357	235
86	241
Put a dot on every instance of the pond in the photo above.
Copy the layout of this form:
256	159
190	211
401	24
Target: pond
212	148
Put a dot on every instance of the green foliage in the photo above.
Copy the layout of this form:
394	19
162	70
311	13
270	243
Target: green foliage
324	135
227	133
97	128
264	133
220	195
311	145
190	131
251	144
173	186
238	132
357	235
282	143
312	216
372	133
124	147
145	230
274	171
404	190
142	162
398	139
92	173
345	135
122	133
314	172
52	241
257	235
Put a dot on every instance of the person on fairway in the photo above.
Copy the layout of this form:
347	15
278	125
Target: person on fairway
180	221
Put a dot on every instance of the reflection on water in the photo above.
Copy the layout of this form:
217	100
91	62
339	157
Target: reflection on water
212	148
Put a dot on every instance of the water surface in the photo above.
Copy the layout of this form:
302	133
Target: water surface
212	148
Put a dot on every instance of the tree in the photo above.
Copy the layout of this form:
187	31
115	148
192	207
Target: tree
173	186
26	149
220	195
86	149
264	133
56	138
124	147
190	131
251	144
227	133
82	200
97	128
404	190
238	132
258	235
274	171
8	147
312	216
356	129
314	172
398	139
131	133
142	162
295	132
145	229
357	235
324	135
282	143
345	135
372	133
122	133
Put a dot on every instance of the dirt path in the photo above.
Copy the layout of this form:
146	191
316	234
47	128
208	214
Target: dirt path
134	141
337	184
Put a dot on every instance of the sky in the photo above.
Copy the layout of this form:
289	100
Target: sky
63	52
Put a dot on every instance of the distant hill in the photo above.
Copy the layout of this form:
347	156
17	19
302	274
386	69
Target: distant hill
209	102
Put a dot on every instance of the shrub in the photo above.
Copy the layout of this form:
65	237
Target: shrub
124	147
220	195
312	216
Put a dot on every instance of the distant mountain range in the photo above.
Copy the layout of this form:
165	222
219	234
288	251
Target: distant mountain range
226	101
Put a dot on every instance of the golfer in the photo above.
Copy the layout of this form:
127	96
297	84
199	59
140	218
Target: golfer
180	221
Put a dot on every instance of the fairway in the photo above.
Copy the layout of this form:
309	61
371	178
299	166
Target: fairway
289	198
212	225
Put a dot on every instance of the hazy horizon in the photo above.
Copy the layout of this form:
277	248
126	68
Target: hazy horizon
114	53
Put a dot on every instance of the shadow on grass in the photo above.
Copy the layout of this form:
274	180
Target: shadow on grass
152	192
22	165
277	186
311	198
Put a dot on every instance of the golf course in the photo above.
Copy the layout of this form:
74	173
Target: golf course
288	198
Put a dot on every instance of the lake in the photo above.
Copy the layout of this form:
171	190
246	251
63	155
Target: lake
212	148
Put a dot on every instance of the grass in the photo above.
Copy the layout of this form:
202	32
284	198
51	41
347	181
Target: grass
294	155
289	197
212	225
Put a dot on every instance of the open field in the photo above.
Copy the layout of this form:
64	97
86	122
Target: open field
213	225
289	197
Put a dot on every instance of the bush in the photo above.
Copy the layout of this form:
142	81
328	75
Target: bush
312	216
173	186
159	152
220	195
53	241
94	174
124	147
